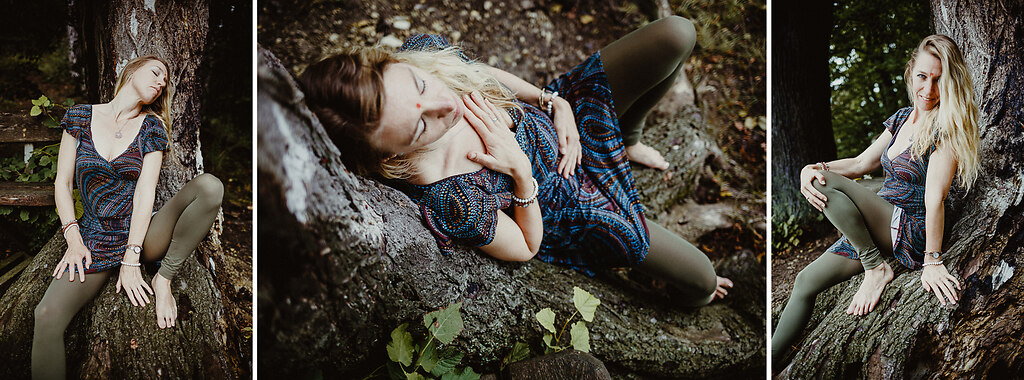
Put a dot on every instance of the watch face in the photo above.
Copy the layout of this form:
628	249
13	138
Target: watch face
935	255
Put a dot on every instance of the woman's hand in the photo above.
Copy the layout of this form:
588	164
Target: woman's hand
568	137
936	279
503	153
815	197
131	280
73	260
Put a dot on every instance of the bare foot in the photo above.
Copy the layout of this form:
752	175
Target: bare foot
166	309
721	290
645	155
870	290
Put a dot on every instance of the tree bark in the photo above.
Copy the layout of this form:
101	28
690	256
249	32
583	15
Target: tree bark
347	260
109	338
910	335
801	114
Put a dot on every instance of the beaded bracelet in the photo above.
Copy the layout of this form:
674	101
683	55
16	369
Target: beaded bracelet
823	165
64	229
547	103
136	265
519	202
933	263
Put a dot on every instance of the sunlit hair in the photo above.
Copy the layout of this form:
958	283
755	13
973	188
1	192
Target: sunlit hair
161	106
346	93
954	122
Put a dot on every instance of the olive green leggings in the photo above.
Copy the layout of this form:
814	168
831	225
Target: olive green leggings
642	66
863	217
174	232
675	260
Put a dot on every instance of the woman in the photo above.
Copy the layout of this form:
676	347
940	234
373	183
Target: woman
113	152
920	150
438	127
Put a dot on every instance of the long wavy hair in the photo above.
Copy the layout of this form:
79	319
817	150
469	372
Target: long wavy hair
955	122
161	106
345	91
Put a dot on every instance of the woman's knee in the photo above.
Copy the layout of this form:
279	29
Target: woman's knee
48	316
208	188
677	34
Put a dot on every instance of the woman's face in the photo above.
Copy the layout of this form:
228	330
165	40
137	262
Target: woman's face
927	71
418	109
149	80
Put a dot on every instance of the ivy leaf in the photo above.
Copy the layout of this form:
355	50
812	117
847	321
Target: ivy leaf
444	324
585	303
448	358
69	102
414	376
548	338
580	336
24	215
519	352
49	123
44	161
546	317
463	374
400	348
46	101
428	359
37	102
35	110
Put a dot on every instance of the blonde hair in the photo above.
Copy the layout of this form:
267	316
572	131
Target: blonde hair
161	106
954	123
346	93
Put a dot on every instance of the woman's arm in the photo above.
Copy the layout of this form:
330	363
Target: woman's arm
563	119
934	277
867	161
130	277
65	201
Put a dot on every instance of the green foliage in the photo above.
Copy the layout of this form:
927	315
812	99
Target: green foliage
586	304
870	45
438	363
519	352
786	235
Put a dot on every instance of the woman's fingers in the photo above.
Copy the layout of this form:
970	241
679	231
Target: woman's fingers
88	260
482	159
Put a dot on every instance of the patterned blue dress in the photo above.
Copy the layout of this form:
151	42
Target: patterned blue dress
904	189
591	220
107	188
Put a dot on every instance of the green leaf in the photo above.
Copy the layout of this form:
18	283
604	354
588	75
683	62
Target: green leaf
46	101
44	161
37	102
585	303
413	376
445	324
548	338
463	374
580	336
400	348
24	215
49	123
6	210
69	102
546	317
519	352
448	358
428	359
395	371
35	110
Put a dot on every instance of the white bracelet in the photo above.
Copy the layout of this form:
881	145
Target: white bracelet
519	202
131	265
934	263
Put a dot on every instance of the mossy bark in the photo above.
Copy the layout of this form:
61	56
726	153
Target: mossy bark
909	335
344	260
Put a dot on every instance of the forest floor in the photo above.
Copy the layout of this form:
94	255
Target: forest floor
537	40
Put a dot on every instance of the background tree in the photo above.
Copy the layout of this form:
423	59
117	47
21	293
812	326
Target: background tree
911	335
801	121
870	44
109	338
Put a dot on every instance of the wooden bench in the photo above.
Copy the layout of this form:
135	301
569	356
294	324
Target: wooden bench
23	130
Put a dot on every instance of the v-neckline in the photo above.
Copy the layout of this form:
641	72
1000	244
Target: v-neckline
92	138
893	142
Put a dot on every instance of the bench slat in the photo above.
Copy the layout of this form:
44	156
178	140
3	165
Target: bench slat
20	128
26	194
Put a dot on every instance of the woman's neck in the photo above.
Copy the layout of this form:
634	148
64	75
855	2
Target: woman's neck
125	106
447	156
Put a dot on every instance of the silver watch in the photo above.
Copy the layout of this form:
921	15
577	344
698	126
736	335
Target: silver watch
137	249
935	254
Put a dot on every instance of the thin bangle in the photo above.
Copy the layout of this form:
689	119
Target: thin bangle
823	165
520	202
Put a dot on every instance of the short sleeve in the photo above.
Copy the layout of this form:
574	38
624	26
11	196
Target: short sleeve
428	42
155	138
76	120
458	212
893	123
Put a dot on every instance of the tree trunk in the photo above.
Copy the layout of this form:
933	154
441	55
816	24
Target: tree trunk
910	335
109	338
347	260
801	115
